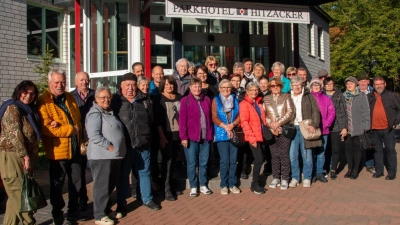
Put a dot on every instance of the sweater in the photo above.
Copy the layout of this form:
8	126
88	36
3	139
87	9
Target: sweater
327	110
391	104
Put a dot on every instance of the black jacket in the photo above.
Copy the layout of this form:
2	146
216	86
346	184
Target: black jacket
391	104
84	107
136	117
339	102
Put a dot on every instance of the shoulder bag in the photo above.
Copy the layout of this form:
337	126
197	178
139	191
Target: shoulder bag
304	124
367	141
237	139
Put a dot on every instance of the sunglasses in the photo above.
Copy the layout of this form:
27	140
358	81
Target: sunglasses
213	64
291	74
274	86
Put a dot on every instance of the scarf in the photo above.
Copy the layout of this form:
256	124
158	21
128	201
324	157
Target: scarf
227	103
32	114
349	96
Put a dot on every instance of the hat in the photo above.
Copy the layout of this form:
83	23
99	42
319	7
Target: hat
352	79
362	75
322	73
315	81
129	76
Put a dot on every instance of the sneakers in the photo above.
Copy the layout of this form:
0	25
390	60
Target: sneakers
105	221
152	205
306	183
284	184
205	190
293	183
120	212
274	183
371	170
321	177
257	189
224	191
234	190
333	175
243	175
193	192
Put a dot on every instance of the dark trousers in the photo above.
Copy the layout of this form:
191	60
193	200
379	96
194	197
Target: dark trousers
58	170
267	157
105	175
336	143
388	153
244	157
280	158
353	152
169	156
83	198
155	147
258	161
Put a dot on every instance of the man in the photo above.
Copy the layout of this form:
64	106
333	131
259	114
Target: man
156	73
61	143
138	69
248	69
84	96
182	75
134	110
322	74
302	73
385	116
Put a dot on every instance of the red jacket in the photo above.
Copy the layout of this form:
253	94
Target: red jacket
250	121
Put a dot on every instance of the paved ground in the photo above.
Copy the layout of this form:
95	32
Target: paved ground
343	201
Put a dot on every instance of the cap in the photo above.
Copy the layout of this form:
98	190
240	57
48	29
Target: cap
352	79
315	81
129	76
322	73
363	75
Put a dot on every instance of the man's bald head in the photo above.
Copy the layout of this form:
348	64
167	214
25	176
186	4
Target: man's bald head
157	73
82	81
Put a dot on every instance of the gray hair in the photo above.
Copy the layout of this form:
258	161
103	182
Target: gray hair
191	65
181	61
238	65
56	71
280	65
296	79
250	85
224	81
101	89
141	79
221	68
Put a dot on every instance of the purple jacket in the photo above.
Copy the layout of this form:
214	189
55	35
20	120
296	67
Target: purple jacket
189	118
327	111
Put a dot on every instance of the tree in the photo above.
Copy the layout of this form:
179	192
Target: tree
43	69
365	35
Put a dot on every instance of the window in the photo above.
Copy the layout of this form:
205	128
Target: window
320	43
311	47
43	29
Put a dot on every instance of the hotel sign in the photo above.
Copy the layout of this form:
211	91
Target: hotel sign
209	9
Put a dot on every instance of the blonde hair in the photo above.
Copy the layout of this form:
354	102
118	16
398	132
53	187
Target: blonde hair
259	65
209	59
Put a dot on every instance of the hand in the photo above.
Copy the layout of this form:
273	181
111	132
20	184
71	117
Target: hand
229	127
230	134
311	129
76	130
111	148
254	144
27	163
163	141
54	124
274	125
343	133
184	143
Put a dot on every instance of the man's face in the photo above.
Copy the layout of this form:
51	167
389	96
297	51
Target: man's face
129	89
248	67
82	81
157	74
363	84
138	70
303	75
57	84
183	68
379	86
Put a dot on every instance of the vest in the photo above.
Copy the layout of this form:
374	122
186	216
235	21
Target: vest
220	133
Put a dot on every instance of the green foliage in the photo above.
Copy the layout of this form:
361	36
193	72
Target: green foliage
365	35
43	69
42	163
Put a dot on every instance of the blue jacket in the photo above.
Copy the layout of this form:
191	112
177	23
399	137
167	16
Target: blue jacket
154	92
220	133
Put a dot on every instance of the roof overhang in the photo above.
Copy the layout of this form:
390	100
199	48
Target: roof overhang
287	2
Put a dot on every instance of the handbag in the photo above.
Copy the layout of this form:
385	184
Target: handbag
304	124
367	141
32	196
267	134
237	139
288	130
84	143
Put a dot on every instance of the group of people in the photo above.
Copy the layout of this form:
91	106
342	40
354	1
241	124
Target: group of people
195	109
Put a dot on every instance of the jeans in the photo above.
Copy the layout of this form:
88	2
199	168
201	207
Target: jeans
369	158
296	145
139	159
197	153
227	165
389	152
319	156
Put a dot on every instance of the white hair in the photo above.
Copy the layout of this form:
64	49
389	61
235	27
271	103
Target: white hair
101	89
56	71
280	65
141	79
181	61
221	68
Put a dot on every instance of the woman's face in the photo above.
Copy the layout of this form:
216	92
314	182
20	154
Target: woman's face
191	70
212	66
225	89
195	89
275	88
103	99
277	71
316	88
291	74
201	75
252	92
223	73
168	88
263	84
144	87
27	96
350	86
239	70
329	86
235	81
258	72
296	88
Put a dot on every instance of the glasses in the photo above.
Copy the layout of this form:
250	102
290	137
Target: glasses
275	86
213	64
201	73
296	85
291	74
104	98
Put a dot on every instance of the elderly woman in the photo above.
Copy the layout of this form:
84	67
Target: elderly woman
258	71
143	84
306	108
251	120
19	144
338	130
106	149
191	68
358	122
278	69
167	111
263	85
279	110
238	68
236	89
291	72
196	133
208	89
327	110
213	74
225	115
223	71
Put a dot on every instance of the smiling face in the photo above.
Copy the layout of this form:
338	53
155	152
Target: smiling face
183	68
275	88
144	86
195	89
202	75
129	89
363	84
168	88
235	81
303	75
296	88
57	84
225	89
82	81
263	84
238	70
277	72
379	86
157	74
27	96
103	99
258	72
316	88
248	67
138	70
212	66
350	86
252	92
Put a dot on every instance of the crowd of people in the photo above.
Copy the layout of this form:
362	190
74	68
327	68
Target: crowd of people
282	116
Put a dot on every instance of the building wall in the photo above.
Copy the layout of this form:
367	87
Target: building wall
14	63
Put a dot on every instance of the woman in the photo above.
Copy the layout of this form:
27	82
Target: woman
195	132
167	111
105	151
252	120
358	122
212	65
306	108
263	85
209	90
191	68
291	72
278	69
225	115
236	89
327	110
19	144
338	130
258	71
279	110
143	84
238	68
223	71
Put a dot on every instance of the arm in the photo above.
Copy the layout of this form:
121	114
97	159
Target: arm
11	127
94	130
315	113
244	123
215	118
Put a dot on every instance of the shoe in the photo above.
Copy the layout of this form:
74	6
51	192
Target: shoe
377	175
224	191
205	190
234	190
152	205
83	207
257	189
322	178
325	175
333	175
314	179
284	184
371	170
306	183
354	175
59	221
104	221
169	196
348	174
193	192
293	183
120	212
243	175
179	193
275	182
390	177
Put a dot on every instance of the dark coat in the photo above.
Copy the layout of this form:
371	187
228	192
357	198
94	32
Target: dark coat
84	107
338	101
391	104
310	110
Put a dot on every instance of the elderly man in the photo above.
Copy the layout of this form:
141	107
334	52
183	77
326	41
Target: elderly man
61	127
302	73
135	111
182	75
84	96
322	74
385	116
138	69
156	73
248	69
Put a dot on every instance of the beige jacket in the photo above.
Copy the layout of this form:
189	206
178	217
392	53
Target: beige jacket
285	108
